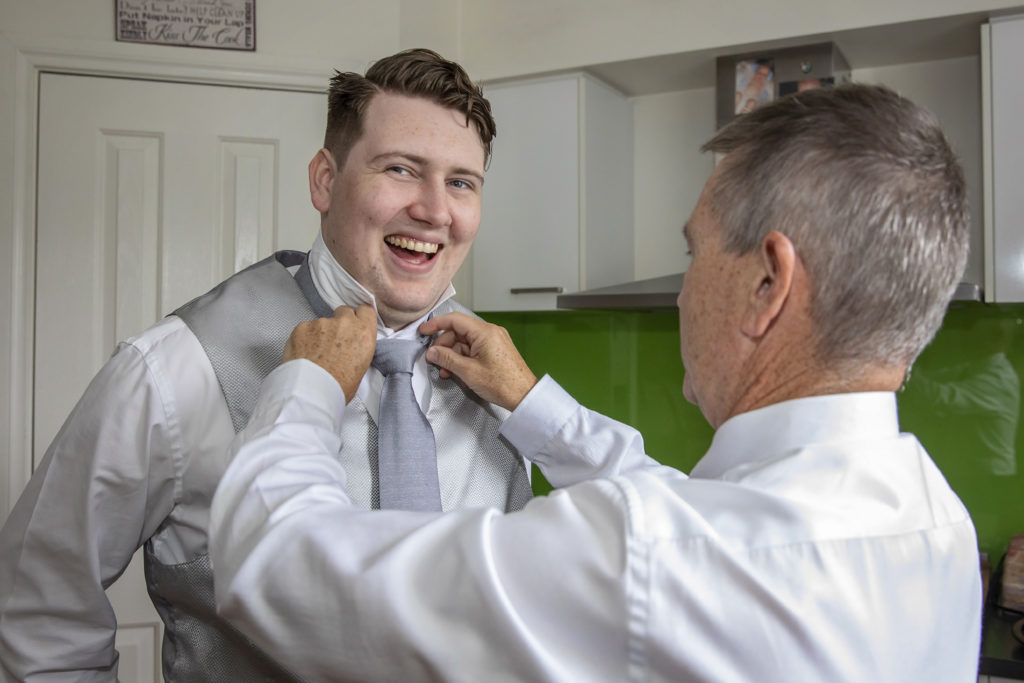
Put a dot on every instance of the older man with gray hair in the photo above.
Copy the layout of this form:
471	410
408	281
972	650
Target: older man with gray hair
812	542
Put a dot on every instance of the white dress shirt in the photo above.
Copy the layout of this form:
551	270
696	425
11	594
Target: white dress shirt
813	542
138	459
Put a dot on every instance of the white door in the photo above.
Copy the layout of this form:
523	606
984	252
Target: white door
149	193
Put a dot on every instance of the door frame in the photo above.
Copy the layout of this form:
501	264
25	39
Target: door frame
22	119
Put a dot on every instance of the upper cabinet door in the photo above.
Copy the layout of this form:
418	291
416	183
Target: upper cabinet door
1003	145
558	198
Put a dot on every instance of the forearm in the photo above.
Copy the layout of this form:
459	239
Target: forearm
570	443
269	461
387	595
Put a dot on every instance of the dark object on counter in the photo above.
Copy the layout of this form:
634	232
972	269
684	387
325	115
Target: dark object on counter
1012	590
1002	650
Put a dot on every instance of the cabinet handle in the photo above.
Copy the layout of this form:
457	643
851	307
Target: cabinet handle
536	290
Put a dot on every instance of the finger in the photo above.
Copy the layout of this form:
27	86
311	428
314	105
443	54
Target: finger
460	323
448	360
433	325
446	338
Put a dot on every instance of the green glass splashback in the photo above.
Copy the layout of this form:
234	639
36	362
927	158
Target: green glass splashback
962	399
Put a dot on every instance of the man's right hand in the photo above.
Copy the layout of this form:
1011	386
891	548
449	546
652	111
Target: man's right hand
343	345
482	355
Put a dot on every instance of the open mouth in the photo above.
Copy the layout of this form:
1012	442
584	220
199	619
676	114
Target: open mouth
412	249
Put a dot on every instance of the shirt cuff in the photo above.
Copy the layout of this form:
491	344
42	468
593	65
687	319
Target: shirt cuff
303	382
539	417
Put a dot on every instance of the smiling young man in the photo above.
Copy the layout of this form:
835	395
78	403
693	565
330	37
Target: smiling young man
401	207
398	186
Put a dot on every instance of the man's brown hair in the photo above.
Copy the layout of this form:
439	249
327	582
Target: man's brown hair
418	72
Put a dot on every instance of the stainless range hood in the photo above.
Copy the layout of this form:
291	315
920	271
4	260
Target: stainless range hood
661	292
656	292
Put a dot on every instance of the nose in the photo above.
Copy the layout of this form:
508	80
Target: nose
430	205
679	298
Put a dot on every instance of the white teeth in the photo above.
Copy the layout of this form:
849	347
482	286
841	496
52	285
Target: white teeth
414	245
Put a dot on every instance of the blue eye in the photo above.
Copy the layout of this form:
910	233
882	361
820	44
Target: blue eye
461	184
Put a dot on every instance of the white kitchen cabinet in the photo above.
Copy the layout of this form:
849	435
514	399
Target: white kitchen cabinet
558	198
1002	53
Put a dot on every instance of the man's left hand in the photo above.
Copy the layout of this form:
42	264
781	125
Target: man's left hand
482	355
343	345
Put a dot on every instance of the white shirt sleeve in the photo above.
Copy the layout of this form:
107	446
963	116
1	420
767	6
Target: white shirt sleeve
95	497
569	443
387	595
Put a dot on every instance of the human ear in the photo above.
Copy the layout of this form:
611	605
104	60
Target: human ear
774	264
322	170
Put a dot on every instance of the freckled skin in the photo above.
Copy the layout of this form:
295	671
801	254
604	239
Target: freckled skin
710	303
342	344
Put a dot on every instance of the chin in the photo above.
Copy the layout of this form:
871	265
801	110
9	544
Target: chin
407	309
687	389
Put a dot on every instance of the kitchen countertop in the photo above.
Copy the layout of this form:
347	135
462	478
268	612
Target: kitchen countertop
1001	653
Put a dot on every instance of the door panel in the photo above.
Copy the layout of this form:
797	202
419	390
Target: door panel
150	193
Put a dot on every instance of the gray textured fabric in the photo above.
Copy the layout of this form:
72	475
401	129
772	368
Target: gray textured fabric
243	324
198	644
304	279
406	458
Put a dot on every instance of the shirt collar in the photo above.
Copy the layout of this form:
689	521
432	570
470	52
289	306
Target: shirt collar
338	288
784	427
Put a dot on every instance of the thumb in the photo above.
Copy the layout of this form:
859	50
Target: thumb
447	359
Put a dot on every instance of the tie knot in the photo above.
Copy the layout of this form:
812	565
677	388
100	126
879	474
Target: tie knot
397	355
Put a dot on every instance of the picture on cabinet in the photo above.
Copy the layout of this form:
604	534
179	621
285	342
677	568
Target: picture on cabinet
755	84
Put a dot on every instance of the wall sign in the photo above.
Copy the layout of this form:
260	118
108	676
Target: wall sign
223	24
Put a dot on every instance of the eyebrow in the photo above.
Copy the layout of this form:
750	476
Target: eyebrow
686	231
422	161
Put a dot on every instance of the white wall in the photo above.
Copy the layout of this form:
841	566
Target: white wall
502	38
669	174
292	35
436	24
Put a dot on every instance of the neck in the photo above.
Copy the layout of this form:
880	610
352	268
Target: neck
399	320
802	379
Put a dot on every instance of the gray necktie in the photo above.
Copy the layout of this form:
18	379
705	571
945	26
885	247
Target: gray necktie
406	458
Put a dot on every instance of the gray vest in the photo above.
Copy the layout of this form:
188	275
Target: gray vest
243	324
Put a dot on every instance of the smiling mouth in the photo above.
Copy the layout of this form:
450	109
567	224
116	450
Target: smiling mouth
409	248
